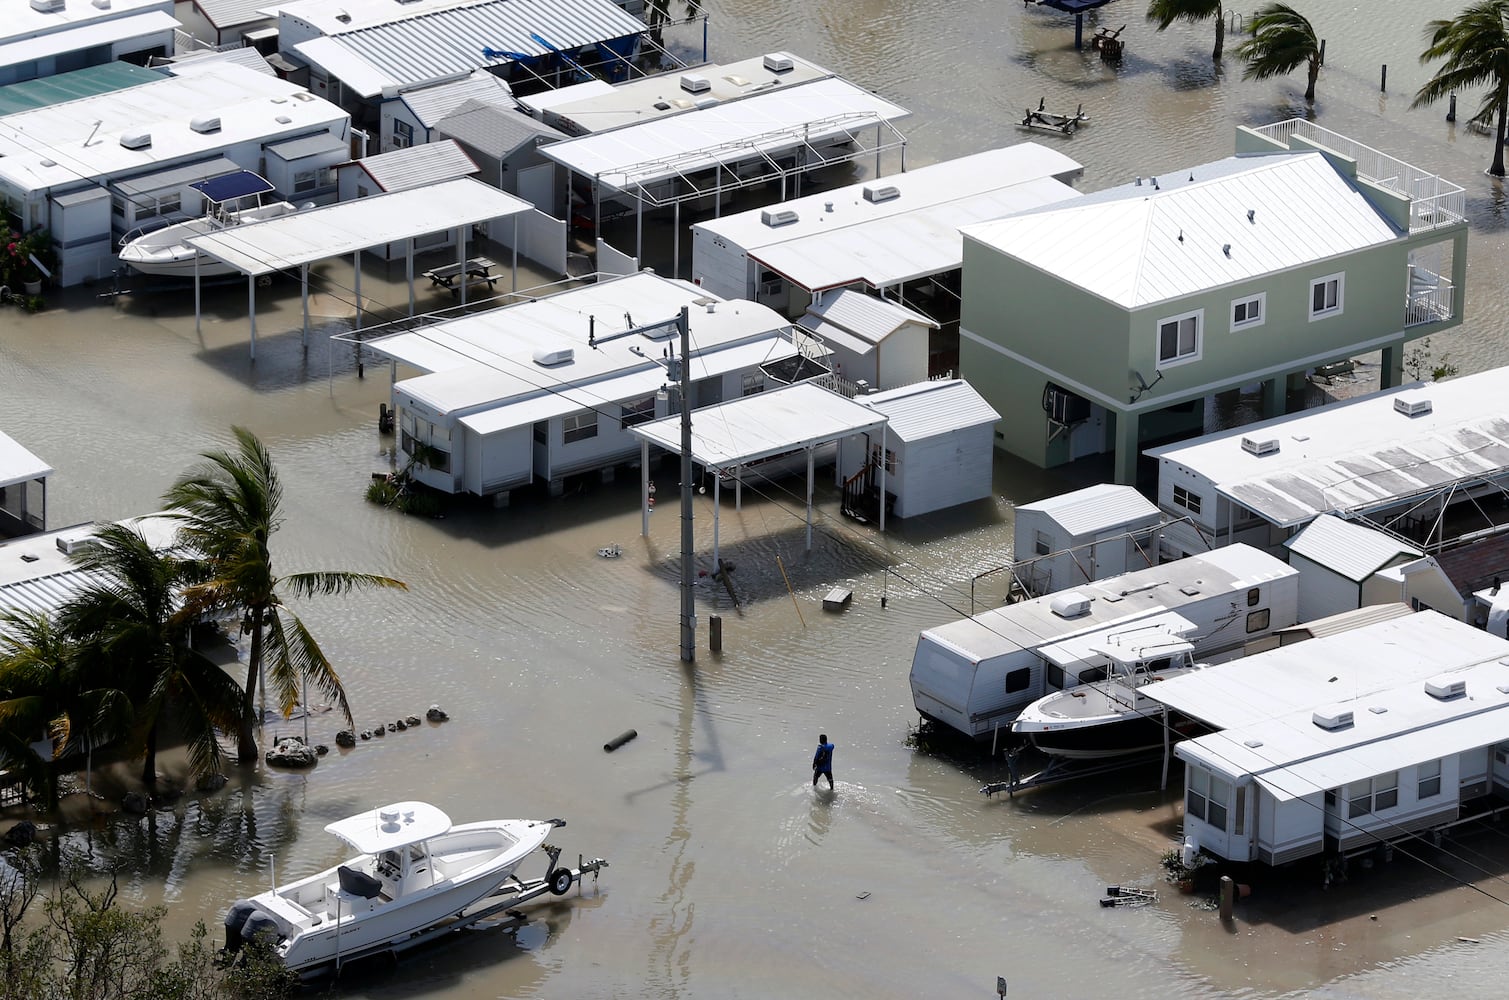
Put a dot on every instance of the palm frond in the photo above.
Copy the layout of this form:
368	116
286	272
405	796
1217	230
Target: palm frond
294	656
327	583
1165	12
1473	49
1282	41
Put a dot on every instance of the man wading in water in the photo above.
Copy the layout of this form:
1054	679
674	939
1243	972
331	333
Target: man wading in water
822	761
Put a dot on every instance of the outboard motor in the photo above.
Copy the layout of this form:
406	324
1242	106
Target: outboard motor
258	924
235	918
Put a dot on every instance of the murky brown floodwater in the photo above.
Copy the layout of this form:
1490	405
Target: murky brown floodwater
729	876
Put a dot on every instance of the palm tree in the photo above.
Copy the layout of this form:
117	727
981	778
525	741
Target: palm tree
1166	12
229	510
1282	41
134	618
47	689
1475	45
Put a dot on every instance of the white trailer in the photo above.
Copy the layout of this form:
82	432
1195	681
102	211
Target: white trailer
1087	535
976	674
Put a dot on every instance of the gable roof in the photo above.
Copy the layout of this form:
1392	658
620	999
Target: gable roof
494	130
434	102
1354	551
928	409
415	166
868	317
1095	508
1163	238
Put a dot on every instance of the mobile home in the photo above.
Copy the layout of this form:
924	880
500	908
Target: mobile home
1083	536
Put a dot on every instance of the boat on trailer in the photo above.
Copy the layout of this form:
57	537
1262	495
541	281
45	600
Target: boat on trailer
1040	118
1108	713
415	876
230	200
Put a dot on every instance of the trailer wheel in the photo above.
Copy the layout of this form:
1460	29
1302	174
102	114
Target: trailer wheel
560	881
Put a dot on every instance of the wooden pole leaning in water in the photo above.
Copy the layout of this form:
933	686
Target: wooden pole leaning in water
798	607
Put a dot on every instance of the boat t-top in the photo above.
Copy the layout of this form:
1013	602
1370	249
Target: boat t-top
232	199
415	876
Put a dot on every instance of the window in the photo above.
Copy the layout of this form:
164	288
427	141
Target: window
403	134
1254	595
1386	791
1055	676
637	411
1430	779
1189	501
890	462
579	426
1375	794
1359	799
1249	311
1205	797
1326	296
1179	338
753	382
169	204
305	180
1018	679
1257	621
1044	544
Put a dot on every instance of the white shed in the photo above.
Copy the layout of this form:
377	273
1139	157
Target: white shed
1336	558
937	448
879	343
1089	534
23	489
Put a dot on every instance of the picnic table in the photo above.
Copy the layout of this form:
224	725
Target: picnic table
476	269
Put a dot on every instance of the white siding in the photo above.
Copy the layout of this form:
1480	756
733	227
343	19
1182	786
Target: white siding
942	471
722	268
1321	591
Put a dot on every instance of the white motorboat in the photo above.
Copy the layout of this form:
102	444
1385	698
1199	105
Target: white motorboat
230	200
413	872
1104	710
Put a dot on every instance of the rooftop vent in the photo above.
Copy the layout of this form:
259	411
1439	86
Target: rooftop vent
102	4
69	544
706	102
662	106
47	6
1412	407
1332	718
1070	604
205	123
1252	215
283	120
136	140
773	217
779	62
695	83
1254	446
1445	686
559	356
880	192
1226	249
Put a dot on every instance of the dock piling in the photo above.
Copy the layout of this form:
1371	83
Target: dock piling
715	633
1228	896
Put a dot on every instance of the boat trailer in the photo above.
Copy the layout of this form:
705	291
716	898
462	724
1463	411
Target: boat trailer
512	892
1059	769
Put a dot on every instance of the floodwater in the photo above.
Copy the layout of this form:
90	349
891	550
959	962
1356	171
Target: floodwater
730	876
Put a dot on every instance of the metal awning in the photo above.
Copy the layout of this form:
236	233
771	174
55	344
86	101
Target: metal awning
145	184
87	36
17	465
309	145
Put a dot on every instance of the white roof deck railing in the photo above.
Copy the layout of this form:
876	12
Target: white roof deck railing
1434	201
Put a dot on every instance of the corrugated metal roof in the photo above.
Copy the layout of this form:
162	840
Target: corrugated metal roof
244	56
432	103
928	409
416	166
1360	454
17	464
87	36
868	317
493	130
71	86
436	44
1158	243
1095	508
1344	621
1354	551
309	145
230	13
834	336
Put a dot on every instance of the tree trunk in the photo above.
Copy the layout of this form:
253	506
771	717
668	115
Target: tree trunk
1497	169
1314	72
246	741
1220	34
149	764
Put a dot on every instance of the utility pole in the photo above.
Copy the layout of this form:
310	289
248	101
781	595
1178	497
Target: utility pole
688	605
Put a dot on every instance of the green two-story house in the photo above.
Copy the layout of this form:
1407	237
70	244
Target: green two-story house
1105	323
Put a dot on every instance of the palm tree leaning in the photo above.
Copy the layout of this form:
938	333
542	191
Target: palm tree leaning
1475	47
1282	41
1166	12
229	509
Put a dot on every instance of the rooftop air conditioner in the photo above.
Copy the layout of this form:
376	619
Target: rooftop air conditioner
68	545
136	140
1446	686
695	83
779	62
1265	446
46	6
204	124
1332	717
880	192
559	356
1412	407
773	217
1070	604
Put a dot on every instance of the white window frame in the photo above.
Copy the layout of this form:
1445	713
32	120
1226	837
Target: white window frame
1340	278
1261	298
1184	497
1429	776
1198	316
578	426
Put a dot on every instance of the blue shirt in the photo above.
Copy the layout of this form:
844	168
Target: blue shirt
822	761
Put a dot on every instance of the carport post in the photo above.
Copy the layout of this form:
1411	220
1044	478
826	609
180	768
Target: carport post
461	260
883	428
514	286
304	297
644	487
878	140
356	270
196	293
717	502
676	242
251	309
739	488
639	226
809	498
408	271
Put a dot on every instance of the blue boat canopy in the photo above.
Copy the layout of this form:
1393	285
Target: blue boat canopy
240	184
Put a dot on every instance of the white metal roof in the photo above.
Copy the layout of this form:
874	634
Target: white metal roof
248	104
1345	621
569	94
307	145
1330	668
1358	454
493	130
424	42
319	233
246	57
230	13
728	435
1352	550
416	166
22	20
1393	728
18	465
1155	243
927	409
36	575
869	317
85	35
669	147
387	827
1095	508
834	336
433	102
